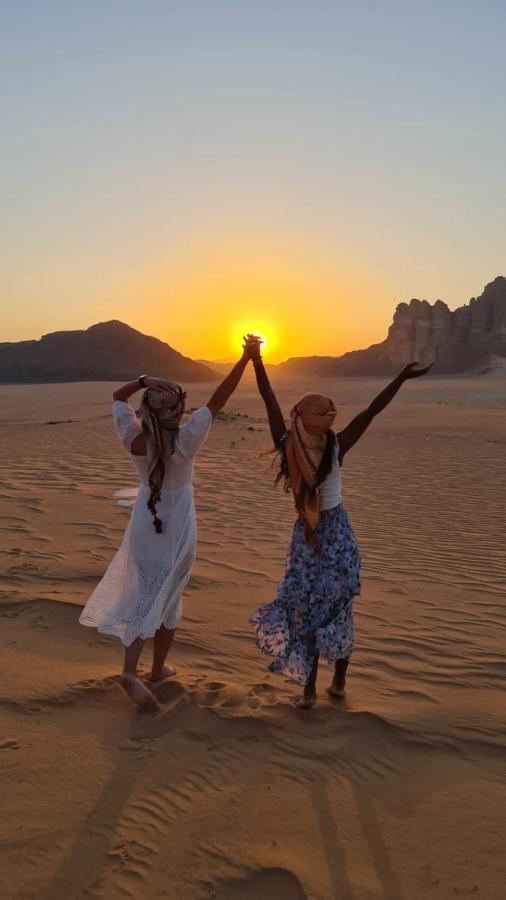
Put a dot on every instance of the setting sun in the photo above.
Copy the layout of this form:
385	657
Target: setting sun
266	285
222	217
261	329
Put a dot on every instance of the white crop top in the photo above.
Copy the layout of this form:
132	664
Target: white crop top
331	488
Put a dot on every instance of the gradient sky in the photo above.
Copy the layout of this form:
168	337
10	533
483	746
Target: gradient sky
195	167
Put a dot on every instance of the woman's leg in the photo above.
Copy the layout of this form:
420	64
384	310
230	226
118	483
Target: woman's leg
131	683
308	698
338	686
161	645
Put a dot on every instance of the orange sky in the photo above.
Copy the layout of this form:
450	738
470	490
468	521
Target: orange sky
301	174
210	295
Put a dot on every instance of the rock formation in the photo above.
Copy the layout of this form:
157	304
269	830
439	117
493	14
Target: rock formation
109	351
469	340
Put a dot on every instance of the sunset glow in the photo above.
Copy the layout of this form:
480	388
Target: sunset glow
243	245
215	291
193	192
263	330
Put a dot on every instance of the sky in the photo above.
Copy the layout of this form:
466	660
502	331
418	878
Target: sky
297	167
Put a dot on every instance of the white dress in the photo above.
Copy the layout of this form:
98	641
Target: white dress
141	589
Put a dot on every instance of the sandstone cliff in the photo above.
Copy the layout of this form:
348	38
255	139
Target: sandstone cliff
468	340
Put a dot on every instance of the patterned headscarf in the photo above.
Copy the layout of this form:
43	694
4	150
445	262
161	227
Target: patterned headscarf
161	411
305	444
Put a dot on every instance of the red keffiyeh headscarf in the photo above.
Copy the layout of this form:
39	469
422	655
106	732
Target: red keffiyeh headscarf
305	445
161	413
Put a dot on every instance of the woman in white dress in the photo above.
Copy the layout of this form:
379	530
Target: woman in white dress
139	596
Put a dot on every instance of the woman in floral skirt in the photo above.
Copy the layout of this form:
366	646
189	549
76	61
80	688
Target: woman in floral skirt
312	614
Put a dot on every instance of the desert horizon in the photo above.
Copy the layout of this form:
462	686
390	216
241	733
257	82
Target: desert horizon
467	341
253	432
382	779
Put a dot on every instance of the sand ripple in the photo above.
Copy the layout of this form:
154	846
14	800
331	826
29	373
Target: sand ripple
395	793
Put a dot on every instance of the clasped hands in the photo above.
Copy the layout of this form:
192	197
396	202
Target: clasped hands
252	345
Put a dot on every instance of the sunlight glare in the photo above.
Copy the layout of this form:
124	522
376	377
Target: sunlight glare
262	329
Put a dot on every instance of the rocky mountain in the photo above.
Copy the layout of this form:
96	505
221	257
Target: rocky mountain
109	351
470	339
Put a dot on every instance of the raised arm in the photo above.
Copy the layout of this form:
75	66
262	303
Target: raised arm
354	431
276	420
228	385
124	392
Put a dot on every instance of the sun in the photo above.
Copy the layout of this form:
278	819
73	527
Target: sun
263	329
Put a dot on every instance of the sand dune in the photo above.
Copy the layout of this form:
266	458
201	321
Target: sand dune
396	793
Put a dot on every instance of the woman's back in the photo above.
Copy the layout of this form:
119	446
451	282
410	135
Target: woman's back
178	465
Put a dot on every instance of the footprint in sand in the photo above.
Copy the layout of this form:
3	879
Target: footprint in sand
9	745
139	747
212	692
270	884
262	695
171	696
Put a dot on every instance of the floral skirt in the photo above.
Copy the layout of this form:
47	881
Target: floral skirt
313	610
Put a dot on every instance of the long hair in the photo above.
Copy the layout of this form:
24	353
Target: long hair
161	412
324	469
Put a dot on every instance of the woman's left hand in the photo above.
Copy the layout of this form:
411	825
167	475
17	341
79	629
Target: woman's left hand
156	384
409	371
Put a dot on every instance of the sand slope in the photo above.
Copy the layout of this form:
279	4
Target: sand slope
396	792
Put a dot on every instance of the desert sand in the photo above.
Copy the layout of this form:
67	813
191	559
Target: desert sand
228	792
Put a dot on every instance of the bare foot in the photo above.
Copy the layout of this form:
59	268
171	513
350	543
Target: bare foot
335	691
165	672
302	702
138	692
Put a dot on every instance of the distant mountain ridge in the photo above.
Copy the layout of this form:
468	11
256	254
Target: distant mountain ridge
108	351
467	340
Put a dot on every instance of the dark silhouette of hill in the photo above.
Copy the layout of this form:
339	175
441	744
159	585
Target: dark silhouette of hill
109	351
469	340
